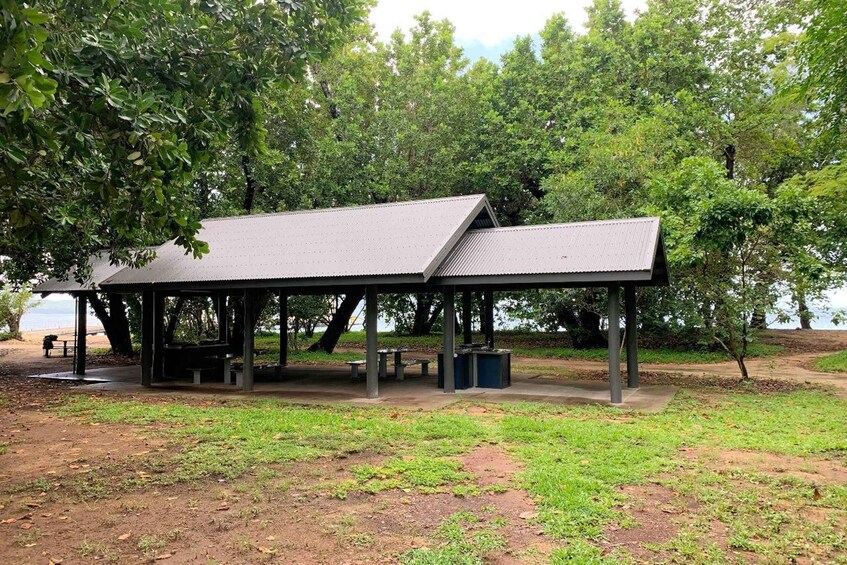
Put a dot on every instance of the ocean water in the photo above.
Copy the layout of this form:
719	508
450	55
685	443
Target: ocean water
59	312
54	313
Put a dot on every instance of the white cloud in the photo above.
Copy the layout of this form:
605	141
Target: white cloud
487	22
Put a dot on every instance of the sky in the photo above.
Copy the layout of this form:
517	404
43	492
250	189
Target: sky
485	28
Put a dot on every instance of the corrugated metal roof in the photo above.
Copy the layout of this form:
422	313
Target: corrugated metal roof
101	269
586	247
402	238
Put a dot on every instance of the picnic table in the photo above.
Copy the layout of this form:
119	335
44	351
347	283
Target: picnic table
383	360
399	364
225	359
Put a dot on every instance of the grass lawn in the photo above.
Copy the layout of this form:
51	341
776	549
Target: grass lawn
527	344
835	363
739	473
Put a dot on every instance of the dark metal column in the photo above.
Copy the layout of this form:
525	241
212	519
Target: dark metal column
249	341
158	336
467	316
449	338
488	302
371	317
283	328
223	319
615	345
631	337
147	315
81	329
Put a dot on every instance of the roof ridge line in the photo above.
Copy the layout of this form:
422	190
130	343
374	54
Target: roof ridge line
337	208
553	226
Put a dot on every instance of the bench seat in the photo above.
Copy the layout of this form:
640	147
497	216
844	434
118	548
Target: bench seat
354	367
400	368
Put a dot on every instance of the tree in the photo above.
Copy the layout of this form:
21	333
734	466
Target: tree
111	311
110	108
824	63
413	314
13	305
730	247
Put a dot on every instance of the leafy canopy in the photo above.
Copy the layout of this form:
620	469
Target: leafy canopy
107	110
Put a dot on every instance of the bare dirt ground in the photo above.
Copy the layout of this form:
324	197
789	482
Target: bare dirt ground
291	520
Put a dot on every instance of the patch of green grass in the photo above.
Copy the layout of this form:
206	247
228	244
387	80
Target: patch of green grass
361	540
575	460
150	545
309	357
96	550
465	539
526	344
35	485
4	447
667	356
426	474
231	440
835	363
579	551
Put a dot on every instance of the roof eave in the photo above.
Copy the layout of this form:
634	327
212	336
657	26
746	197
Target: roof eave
319	282
548	279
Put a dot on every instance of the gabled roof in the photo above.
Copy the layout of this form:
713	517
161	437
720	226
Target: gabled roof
101	269
402	242
582	253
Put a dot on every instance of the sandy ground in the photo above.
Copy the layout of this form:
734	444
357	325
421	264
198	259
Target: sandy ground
25	357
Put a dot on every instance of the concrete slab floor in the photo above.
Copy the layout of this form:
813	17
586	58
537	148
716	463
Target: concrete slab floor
320	385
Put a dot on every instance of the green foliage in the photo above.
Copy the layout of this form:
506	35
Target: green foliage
821	53
572	126
670	356
109	109
13	305
728	246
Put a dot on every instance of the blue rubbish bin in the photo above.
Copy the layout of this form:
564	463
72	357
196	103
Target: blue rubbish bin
493	368
461	370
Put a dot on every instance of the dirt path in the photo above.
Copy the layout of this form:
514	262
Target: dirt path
794	368
801	347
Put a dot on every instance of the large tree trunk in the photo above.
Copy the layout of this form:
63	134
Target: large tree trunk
115	322
729	157
338	324
804	313
433	317
14	323
249	184
427	310
745	376
583	328
170	328
759	321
